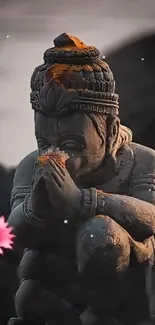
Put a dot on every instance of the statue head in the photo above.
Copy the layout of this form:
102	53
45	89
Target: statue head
76	107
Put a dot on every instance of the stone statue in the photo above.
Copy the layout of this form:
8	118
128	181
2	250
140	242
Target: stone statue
87	225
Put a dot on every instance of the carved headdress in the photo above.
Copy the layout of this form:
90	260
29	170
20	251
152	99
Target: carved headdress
74	78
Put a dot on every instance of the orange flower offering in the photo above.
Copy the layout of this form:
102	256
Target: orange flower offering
57	155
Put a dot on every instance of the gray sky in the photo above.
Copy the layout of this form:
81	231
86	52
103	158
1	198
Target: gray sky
32	26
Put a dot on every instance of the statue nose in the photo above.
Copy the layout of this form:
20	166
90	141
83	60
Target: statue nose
53	143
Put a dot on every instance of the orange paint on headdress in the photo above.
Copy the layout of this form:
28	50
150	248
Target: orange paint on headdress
76	44
81	50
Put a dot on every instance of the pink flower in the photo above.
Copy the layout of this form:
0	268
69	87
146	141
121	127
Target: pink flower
6	237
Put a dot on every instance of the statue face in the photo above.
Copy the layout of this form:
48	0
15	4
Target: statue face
76	135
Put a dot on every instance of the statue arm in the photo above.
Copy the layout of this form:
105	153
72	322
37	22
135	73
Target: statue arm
30	230
135	215
135	212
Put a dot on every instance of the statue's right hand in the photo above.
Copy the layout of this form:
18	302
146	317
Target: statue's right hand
39	196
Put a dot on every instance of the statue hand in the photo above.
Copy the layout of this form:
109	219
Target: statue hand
39	196
62	191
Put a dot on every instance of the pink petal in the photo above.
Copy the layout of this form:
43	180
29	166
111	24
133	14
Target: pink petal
5	235
7	245
2	221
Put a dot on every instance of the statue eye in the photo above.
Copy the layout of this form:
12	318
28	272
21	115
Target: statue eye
71	145
42	144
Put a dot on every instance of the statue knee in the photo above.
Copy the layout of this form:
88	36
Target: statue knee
26	300
102	247
88	318
32	264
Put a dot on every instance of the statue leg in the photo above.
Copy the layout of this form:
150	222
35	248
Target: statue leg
36	306
19	321
113	279
29	304
36	300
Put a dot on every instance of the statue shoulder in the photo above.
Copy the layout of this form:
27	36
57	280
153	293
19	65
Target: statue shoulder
24	171
144	159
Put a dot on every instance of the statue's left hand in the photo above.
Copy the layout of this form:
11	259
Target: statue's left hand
62	191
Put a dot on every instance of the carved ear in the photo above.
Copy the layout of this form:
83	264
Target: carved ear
113	123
